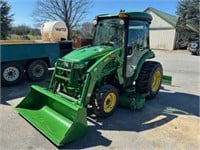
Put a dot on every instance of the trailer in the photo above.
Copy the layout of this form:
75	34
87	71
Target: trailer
29	58
20	58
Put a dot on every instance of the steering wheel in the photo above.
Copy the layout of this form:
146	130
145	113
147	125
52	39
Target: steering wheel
108	43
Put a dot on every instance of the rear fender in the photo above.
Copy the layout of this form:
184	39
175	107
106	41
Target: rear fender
140	61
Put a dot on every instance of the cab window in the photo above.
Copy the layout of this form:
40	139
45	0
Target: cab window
138	35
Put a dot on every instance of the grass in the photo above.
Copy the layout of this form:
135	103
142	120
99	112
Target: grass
24	37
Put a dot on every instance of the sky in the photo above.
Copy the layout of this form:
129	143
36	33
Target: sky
23	9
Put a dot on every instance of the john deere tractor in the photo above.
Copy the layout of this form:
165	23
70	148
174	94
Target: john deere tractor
114	70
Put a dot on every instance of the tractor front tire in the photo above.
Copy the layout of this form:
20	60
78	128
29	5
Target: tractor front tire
150	79
105	101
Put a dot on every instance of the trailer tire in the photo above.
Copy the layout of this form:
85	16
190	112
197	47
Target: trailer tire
37	70
11	73
105	101
149	79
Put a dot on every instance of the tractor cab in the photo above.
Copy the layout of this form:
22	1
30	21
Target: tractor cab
128	31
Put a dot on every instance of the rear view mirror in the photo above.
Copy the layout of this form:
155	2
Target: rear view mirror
130	50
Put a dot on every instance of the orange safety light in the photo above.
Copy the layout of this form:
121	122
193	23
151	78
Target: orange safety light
122	15
96	18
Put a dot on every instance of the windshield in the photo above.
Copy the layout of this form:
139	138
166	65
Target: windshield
110	32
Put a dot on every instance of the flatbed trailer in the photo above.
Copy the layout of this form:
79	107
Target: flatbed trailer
22	58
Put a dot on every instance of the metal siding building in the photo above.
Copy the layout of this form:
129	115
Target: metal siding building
163	30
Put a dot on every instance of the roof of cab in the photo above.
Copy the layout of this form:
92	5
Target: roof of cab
130	15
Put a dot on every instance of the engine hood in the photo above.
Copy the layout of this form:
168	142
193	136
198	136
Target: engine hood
87	53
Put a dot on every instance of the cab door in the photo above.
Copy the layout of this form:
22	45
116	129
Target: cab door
137	44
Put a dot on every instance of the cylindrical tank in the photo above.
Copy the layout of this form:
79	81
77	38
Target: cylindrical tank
54	31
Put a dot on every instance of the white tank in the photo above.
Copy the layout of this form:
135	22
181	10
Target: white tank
54	31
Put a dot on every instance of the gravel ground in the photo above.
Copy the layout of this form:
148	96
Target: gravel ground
170	121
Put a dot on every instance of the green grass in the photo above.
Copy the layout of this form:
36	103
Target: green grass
24	37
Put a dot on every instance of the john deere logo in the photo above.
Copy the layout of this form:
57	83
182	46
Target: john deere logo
60	29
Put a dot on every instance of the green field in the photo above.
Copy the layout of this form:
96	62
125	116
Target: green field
24	37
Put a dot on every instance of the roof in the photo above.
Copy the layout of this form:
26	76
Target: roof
165	16
138	15
173	20
135	15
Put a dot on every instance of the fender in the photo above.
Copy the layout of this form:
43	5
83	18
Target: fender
148	55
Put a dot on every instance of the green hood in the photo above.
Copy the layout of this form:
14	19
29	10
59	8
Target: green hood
87	53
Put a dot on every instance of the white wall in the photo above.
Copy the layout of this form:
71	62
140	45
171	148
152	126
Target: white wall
162	39
162	33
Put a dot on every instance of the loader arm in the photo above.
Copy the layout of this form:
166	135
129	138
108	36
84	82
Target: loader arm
95	73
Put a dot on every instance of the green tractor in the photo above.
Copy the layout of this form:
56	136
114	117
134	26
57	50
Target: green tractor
114	70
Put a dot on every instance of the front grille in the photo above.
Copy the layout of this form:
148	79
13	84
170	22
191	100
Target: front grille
63	69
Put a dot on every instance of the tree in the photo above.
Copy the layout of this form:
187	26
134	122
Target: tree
21	30
87	30
6	19
69	11
35	31
188	12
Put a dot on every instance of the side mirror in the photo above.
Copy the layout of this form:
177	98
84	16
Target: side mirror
130	50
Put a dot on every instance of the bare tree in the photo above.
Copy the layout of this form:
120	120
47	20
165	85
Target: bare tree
85	30
69	11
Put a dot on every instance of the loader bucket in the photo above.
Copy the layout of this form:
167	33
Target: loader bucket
58	118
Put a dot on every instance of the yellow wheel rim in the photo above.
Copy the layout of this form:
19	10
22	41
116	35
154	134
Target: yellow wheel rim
156	81
109	102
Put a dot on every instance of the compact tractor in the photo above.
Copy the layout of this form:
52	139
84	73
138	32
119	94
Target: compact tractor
115	70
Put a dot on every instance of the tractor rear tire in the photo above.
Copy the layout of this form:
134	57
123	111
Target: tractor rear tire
105	101
149	79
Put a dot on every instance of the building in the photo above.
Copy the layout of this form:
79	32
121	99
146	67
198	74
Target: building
165	33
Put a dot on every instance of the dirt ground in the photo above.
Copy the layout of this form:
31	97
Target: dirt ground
170	121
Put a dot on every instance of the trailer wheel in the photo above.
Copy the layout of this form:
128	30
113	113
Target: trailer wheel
11	73
37	70
150	78
105	101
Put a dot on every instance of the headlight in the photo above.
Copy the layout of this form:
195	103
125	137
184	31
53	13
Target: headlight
80	65
67	64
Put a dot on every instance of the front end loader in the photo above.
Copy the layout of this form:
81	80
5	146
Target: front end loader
114	70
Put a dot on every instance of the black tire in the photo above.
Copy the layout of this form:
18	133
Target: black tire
37	70
11	73
198	52
105	101
193	53
150	79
